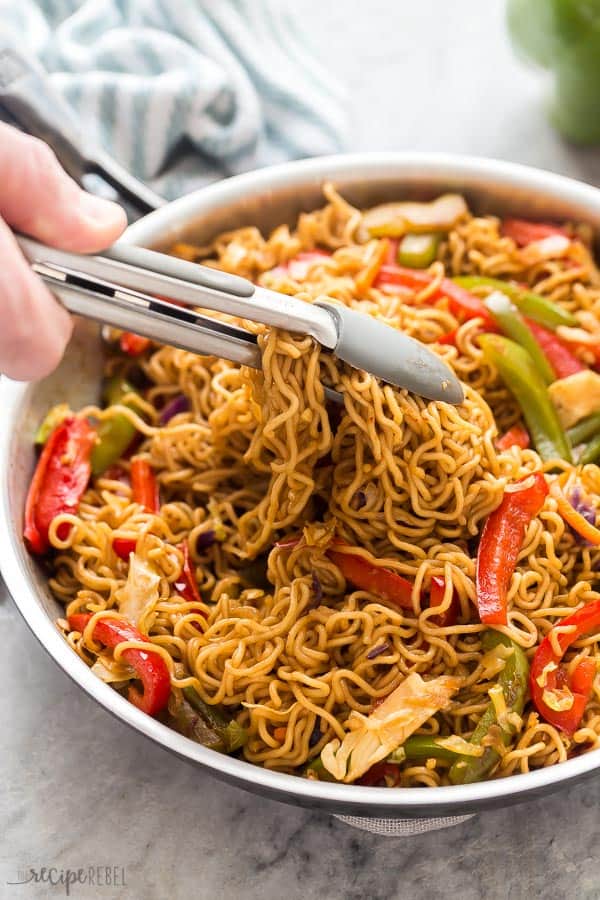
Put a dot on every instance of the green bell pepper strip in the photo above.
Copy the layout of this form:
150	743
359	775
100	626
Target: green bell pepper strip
519	373
418	251
591	453
513	679
422	746
512	324
536	307
584	430
231	734
314	768
185	719
417	747
53	418
116	433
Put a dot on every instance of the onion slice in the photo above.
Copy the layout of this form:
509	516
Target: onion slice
397	219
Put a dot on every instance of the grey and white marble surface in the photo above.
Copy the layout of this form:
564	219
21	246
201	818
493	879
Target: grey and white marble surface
79	789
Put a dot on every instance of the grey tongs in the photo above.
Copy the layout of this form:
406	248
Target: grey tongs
125	287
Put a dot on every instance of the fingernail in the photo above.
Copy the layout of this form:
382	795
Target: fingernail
100	211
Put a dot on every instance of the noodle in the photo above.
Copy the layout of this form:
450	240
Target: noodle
263	464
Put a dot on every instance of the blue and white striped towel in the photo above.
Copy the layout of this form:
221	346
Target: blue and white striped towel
183	92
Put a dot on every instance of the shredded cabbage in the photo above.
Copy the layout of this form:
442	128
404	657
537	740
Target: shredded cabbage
459	745
140	590
494	661
109	671
543	677
372	738
558	700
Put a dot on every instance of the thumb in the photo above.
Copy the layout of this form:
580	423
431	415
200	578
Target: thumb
39	198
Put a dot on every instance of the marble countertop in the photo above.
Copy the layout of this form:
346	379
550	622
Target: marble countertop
79	789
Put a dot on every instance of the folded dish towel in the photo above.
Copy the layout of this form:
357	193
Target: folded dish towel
182	92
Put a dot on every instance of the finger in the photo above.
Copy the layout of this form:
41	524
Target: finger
39	198
35	328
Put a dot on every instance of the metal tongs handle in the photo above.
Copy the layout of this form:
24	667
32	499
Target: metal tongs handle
124	287
141	271
29	100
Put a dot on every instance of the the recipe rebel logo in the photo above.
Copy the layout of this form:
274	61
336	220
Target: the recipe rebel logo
67	879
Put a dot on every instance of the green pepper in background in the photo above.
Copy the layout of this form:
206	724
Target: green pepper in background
417	251
519	373
116	433
530	304
512	324
563	36
513	680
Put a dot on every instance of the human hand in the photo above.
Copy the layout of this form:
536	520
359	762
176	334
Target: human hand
38	198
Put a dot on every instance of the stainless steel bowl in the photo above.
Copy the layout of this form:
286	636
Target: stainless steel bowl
267	198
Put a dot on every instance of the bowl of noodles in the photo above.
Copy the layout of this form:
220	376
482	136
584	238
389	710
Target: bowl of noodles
386	606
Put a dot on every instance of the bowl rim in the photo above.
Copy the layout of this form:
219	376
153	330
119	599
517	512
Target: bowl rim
338	798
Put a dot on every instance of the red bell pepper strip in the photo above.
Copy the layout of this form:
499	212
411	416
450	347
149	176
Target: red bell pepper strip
367	576
186	585
378	772
517	436
59	481
124	547
149	666
436	597
463	303
448	338
133	344
548	676
364	575
391	256
582	679
298	266
415	279
575	344
501	540
557	353
143	485
523	232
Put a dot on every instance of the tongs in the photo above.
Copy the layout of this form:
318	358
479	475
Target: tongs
126	287
28	100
